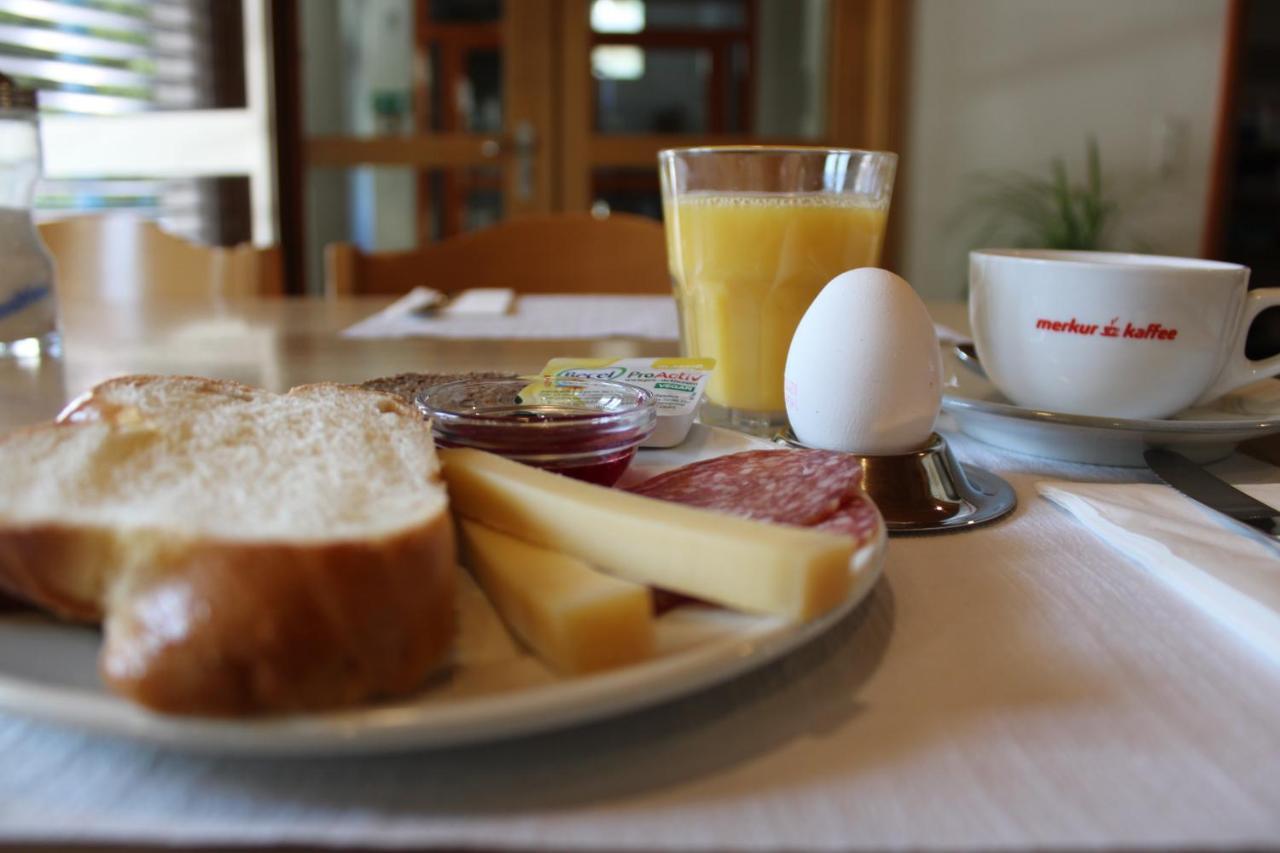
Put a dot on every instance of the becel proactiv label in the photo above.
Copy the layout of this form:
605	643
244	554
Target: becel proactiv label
677	385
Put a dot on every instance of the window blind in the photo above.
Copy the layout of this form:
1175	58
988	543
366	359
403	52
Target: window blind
111	58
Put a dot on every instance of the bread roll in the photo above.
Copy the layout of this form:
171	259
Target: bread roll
245	551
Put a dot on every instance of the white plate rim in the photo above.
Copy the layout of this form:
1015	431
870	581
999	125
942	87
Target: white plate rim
460	722
404	726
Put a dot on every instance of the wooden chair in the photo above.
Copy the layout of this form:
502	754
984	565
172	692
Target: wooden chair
564	253
123	258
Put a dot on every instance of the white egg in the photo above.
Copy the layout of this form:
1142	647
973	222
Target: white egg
864	373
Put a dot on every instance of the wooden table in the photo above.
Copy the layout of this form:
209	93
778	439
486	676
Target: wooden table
274	343
1020	685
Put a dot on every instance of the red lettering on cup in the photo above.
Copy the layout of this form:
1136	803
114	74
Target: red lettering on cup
1149	332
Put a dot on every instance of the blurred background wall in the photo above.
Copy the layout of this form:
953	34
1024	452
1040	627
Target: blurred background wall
998	85
391	123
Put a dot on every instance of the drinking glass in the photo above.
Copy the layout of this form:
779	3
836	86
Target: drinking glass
753	233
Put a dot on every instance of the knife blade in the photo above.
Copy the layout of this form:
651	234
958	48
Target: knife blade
1211	490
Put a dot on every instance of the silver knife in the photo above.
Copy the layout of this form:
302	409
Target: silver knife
1198	484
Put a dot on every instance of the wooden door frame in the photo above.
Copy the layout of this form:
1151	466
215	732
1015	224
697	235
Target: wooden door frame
867	68
290	155
866	73
1221	167
528	90
573	126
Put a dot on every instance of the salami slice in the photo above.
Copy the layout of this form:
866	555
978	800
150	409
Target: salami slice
856	517
820	489
799	487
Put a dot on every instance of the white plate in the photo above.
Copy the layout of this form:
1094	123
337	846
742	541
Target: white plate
494	690
1205	433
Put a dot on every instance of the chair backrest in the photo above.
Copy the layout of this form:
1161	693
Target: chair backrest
563	253
120	257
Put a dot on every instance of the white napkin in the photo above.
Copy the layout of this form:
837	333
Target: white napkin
417	299
544	317
481	301
1195	551
476	300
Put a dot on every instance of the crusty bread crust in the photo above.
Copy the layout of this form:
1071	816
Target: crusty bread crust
218	628
285	627
212	626
62	569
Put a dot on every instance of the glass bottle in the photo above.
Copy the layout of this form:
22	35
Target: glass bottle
28	308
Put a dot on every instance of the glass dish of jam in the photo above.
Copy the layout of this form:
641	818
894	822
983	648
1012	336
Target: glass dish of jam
585	429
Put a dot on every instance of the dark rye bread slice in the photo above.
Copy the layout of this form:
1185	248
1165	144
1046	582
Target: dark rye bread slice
407	386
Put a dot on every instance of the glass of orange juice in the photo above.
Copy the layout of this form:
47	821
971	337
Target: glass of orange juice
753	233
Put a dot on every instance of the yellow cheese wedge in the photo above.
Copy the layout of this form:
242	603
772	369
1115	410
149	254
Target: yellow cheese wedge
575	618
746	565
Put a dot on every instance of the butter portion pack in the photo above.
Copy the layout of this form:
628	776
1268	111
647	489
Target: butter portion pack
677	385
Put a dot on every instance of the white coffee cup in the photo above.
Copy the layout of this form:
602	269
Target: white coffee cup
1112	334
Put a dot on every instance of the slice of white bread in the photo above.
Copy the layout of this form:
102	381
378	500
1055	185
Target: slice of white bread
246	551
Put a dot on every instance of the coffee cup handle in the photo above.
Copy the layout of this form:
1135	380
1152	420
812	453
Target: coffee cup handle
1240	370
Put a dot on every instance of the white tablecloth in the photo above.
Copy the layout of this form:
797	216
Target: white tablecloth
1020	685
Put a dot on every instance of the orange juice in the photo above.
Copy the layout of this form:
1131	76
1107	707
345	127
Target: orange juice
745	267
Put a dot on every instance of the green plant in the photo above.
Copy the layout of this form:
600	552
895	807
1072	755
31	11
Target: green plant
1019	210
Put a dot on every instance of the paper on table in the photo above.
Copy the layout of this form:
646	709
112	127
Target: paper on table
546	317
481	301
1231	576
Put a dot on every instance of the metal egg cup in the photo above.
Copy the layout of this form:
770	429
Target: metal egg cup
928	490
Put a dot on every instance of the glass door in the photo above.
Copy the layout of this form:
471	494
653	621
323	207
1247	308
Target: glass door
426	118
642	75
423	119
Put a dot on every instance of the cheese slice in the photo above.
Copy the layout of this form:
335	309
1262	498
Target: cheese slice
575	618
747	565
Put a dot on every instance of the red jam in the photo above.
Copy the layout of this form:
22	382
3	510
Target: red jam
585	429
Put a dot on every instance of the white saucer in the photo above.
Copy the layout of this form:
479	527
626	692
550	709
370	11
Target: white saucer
1204	433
